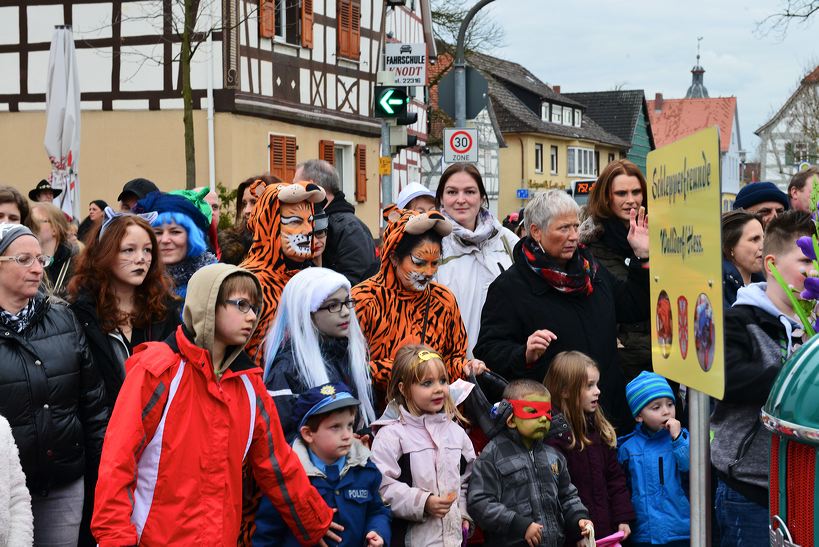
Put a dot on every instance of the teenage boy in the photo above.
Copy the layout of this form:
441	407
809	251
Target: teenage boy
760	333
520	492
191	410
655	455
339	466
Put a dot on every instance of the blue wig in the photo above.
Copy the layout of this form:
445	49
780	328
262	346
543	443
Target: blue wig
196	239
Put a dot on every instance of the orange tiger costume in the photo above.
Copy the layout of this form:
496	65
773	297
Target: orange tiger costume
392	316
266	258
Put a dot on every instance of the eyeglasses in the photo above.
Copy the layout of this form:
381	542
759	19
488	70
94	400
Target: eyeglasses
244	305
335	307
27	260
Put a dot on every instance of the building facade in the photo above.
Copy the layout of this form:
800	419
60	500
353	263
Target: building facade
292	81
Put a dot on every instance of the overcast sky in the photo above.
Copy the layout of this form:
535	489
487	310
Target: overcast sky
598	45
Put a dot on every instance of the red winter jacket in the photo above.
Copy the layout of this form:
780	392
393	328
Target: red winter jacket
171	464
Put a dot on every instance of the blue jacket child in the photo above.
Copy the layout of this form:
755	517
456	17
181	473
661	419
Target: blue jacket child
654	462
338	466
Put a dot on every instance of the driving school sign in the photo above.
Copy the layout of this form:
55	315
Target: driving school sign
686	262
460	145
408	62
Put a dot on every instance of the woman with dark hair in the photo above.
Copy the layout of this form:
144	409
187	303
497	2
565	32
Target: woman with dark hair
235	241
479	248
51	228
401	304
121	295
13	207
742	237
93	220
619	190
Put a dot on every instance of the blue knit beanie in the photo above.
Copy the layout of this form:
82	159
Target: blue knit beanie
758	192
644	389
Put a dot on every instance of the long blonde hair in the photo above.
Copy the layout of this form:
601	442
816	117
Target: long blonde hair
566	379
411	364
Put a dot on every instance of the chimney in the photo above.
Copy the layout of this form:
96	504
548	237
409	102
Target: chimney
556	89
658	102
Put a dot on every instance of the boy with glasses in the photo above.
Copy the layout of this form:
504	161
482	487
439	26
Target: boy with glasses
197	404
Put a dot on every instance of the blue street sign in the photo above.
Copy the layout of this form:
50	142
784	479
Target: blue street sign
522	193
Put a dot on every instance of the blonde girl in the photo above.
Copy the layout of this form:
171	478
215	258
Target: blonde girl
425	457
590	444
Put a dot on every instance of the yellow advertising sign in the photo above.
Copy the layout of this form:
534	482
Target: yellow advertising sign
686	262
384	165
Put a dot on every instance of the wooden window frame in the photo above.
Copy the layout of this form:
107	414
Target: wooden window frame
282	156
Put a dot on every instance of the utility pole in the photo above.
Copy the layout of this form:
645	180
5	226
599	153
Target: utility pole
460	65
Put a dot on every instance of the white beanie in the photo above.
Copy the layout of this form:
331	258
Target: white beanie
410	192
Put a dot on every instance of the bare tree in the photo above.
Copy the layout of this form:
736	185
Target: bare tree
482	36
790	11
177	22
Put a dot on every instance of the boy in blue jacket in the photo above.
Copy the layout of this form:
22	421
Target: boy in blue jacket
655	455
338	466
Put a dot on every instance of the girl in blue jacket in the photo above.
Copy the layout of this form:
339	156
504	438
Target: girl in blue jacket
655	456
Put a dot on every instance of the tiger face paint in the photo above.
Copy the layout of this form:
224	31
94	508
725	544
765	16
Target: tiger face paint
297	231
416	270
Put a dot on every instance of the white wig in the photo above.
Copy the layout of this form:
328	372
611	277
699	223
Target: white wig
302	296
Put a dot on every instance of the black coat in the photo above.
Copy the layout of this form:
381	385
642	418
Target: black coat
285	384
519	302
350	247
100	343
52	396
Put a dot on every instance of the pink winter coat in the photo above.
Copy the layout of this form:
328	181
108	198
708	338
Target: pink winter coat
419	456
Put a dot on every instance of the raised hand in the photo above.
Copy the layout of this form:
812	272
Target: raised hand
638	232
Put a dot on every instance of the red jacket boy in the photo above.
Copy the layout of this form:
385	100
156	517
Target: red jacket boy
182	426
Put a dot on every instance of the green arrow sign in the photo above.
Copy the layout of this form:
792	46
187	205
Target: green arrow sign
390	102
387	101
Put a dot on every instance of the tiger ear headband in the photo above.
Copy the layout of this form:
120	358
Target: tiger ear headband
109	216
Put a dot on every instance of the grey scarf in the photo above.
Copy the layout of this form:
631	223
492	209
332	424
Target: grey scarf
484	228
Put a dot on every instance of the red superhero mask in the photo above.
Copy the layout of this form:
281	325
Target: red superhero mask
529	410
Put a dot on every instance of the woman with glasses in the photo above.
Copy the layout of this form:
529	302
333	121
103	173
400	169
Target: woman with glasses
316	339
51	228
121	295
50	390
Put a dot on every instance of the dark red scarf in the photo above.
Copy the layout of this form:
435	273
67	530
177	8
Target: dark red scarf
575	278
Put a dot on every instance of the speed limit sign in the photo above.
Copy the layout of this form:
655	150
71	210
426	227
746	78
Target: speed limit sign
460	145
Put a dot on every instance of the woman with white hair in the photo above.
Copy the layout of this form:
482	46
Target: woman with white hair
557	297
316	339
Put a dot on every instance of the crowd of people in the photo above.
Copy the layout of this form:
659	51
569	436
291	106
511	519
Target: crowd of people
287	382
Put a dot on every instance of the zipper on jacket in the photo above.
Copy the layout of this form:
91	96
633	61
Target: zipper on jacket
662	475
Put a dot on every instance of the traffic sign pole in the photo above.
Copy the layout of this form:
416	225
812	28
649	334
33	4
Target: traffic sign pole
460	65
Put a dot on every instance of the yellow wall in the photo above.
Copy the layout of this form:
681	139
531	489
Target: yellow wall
517	166
119	146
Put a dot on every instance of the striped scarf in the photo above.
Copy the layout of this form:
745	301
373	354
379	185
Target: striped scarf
576	278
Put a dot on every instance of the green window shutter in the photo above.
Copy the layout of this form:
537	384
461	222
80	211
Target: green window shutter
789	153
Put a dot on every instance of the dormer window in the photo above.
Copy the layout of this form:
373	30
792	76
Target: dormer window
557	113
577	117
544	111
567	115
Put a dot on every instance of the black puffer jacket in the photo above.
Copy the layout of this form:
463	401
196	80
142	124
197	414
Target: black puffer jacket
350	247
52	396
519	302
101	344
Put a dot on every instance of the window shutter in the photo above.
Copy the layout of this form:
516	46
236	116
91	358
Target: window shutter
355	29
277	162
267	18
283	157
812	153
327	151
289	159
307	23
343	27
789	153
361	173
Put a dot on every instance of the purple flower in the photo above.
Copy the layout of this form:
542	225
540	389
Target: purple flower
805	243
811	291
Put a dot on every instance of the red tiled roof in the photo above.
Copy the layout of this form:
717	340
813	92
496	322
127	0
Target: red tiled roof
682	117
812	78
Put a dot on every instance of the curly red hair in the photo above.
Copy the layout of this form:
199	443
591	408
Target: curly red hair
94	275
